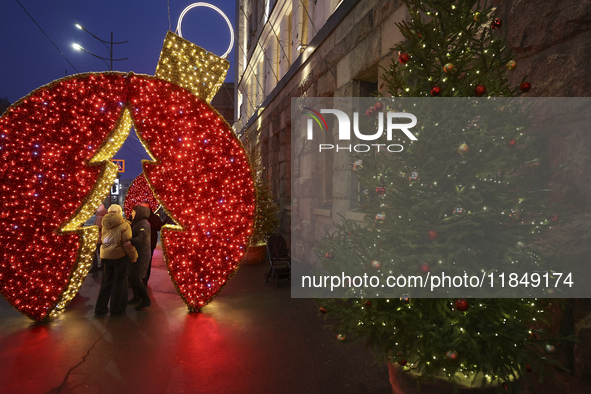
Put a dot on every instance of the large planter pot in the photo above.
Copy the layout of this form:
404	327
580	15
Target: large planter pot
405	383
255	255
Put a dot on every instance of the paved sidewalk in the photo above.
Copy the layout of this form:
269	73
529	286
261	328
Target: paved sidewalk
253	338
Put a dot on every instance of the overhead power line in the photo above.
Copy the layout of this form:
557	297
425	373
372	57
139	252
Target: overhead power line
33	19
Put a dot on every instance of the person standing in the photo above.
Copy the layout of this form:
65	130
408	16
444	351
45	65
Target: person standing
100	214
141	241
155	226
116	230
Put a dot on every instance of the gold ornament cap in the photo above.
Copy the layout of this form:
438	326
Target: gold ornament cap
191	67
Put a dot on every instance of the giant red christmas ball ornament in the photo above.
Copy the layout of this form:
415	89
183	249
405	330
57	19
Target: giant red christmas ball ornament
55	168
525	86
432	235
461	305
479	90
496	24
435	91
378	106
48	141
403	58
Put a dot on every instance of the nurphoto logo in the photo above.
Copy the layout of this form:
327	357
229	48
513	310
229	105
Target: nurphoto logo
344	129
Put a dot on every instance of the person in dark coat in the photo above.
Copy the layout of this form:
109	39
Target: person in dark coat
155	226
116	232
140	228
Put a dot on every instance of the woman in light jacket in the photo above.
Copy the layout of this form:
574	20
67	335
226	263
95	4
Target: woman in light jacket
114	257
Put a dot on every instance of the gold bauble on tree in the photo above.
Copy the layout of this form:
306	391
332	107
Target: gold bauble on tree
463	148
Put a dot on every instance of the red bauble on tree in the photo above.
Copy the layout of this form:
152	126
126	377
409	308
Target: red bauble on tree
370	111
451	355
511	142
461	305
425	268
435	91
525	86
403	58
378	106
496	24
432	235
479	90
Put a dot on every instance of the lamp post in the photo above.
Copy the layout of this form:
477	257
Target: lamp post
107	44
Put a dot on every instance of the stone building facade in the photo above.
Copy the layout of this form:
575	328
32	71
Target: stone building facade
298	48
315	49
223	101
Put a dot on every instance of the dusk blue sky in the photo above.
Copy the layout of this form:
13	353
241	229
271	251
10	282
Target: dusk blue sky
28	60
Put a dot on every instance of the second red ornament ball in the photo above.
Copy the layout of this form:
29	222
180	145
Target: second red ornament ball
461	305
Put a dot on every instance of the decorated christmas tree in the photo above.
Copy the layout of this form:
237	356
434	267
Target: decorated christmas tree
470	196
266	221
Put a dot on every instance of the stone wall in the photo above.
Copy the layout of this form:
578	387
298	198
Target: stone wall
552	45
358	43
223	101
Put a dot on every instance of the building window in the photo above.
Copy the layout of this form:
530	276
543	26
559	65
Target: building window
365	85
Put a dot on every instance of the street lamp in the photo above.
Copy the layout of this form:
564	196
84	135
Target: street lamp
109	47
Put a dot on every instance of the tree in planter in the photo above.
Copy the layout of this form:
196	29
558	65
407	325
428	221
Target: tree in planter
266	221
467	195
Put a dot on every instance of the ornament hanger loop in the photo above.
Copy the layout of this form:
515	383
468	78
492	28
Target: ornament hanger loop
213	7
